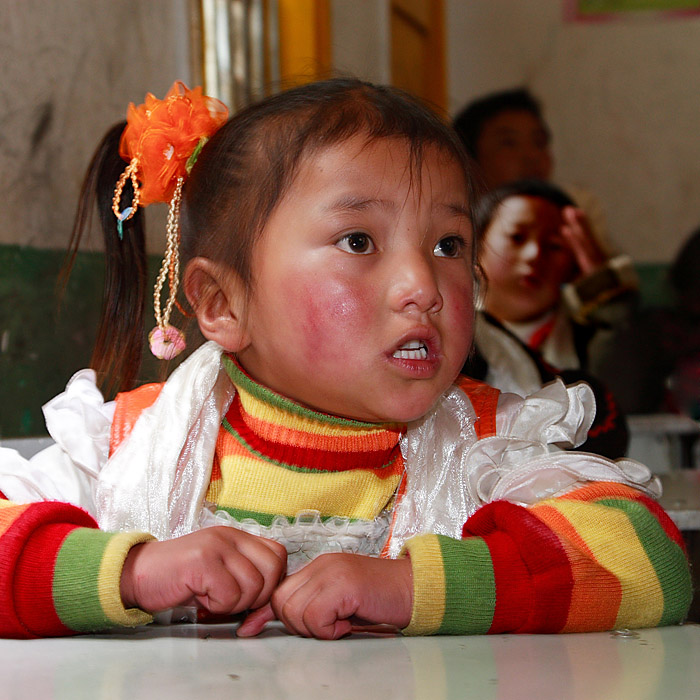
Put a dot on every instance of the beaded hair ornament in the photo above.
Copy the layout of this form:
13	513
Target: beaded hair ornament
161	143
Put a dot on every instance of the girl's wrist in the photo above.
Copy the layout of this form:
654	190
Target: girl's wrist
126	582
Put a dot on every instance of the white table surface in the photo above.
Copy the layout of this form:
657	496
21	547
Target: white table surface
207	661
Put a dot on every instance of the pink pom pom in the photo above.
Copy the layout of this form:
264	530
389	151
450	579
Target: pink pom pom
166	343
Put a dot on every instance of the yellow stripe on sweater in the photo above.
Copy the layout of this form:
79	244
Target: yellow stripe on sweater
251	484
428	584
613	541
277	416
109	578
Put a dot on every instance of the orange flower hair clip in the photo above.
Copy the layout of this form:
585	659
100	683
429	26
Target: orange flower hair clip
160	143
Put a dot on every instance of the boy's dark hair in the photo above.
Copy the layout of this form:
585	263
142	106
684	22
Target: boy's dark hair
471	120
240	175
485	208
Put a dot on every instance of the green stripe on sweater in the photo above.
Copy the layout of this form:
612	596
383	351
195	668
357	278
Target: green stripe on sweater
75	592
470	586
666	557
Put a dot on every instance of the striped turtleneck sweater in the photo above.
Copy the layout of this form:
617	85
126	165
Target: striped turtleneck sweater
600	557
276	457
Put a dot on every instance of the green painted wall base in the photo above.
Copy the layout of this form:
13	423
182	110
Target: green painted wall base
44	340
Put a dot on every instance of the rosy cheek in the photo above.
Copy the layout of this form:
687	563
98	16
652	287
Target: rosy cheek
461	309
333	316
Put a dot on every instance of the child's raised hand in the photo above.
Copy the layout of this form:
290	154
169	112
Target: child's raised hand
220	569
336	592
576	230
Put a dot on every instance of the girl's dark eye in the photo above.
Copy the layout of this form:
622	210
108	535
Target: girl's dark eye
449	247
358	243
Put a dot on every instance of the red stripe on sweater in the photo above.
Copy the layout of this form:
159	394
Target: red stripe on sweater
546	596
34	575
307	457
513	585
12	543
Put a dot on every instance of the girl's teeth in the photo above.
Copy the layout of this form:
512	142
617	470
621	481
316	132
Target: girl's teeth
413	350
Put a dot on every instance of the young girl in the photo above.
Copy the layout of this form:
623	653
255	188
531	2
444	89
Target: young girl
329	261
551	300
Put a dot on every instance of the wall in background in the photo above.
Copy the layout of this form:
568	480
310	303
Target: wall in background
70	69
361	38
622	98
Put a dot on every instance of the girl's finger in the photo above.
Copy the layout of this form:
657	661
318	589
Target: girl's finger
289	601
255	621
235	587
268	562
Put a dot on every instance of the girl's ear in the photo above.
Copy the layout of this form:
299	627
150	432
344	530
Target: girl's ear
217	295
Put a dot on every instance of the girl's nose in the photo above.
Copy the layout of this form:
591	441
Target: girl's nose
414	285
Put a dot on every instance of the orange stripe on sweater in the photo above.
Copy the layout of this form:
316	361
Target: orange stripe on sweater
589	609
130	405
601	489
366	442
484	399
9	512
228	446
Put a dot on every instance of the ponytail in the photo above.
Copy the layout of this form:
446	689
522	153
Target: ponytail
118	347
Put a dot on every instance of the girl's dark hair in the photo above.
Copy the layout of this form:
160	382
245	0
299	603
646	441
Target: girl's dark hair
239	177
486	206
116	355
470	121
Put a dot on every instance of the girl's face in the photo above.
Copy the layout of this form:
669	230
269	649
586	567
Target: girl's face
362	302
525	259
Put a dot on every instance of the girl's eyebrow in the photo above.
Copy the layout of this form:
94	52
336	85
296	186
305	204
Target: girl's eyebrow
352	203
456	210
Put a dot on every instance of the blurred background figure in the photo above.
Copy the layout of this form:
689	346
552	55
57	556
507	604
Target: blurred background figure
653	361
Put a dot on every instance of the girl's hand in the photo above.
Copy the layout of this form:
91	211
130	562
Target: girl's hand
576	230
336	592
220	569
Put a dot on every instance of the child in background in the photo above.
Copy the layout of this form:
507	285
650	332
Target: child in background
328	256
549	302
506	134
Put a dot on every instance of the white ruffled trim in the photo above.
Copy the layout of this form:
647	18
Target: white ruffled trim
79	421
451	474
307	536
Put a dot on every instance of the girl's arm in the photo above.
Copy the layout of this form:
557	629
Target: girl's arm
59	574
601	557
